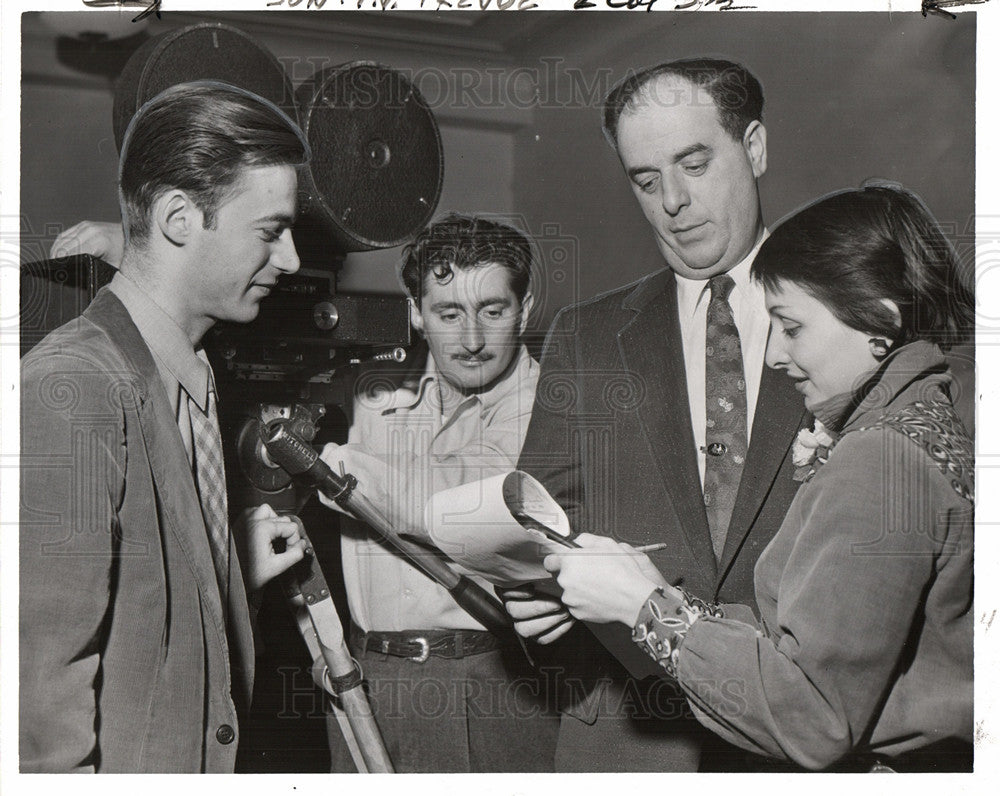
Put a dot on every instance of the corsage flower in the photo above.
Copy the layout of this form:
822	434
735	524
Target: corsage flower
810	450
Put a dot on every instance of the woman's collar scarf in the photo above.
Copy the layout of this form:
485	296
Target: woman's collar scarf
837	415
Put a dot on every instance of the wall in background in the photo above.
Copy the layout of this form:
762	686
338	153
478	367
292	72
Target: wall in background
517	97
847	97
69	160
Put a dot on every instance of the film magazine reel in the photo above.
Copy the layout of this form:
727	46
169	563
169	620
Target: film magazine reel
377	167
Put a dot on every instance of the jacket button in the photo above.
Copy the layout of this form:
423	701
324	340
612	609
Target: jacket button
225	734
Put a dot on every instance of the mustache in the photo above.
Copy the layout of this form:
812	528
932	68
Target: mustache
473	357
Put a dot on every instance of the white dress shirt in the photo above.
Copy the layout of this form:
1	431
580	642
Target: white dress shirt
750	315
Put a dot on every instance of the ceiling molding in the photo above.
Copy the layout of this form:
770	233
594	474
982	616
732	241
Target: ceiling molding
423	32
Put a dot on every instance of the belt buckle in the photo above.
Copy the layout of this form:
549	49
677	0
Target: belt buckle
425	650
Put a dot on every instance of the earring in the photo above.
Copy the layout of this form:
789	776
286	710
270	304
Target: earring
879	347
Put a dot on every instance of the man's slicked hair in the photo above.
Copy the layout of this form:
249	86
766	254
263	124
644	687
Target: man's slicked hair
737	94
200	137
462	242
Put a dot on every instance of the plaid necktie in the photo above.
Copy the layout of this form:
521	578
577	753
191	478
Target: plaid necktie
211	476
726	411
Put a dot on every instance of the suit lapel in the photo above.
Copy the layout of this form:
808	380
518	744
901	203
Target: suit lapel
779	414
180	506
650	344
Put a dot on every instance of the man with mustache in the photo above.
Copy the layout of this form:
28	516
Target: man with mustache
448	695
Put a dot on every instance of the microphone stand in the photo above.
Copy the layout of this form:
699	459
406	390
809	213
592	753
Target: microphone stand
334	669
302	462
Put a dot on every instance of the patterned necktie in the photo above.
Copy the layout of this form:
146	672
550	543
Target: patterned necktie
211	477
726	411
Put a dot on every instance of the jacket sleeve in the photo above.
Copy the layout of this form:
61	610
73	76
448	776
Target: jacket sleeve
72	479
871	530
550	452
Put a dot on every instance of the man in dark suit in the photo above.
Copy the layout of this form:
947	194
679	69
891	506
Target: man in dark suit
135	647
655	419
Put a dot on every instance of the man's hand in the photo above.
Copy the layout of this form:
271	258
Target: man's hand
536	616
259	528
102	239
603	581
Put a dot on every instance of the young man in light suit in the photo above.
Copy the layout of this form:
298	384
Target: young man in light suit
135	647
655	419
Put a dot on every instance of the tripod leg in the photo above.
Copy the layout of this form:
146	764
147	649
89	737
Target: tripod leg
345	728
334	669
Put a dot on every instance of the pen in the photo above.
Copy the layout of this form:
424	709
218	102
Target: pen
530	522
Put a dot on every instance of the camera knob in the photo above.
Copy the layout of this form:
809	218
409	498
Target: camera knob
325	315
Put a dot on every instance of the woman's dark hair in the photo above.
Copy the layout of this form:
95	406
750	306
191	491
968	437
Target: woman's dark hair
200	137
461	242
852	249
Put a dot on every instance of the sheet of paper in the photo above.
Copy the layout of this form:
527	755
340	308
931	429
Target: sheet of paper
474	524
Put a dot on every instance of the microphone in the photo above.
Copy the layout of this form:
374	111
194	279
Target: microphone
300	460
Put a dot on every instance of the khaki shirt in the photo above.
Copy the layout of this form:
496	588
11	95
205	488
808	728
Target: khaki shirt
403	447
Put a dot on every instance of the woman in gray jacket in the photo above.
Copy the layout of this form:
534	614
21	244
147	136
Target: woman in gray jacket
862	653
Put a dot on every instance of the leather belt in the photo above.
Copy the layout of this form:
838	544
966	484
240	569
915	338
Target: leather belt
419	645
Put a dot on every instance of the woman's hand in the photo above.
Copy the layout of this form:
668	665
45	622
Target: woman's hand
604	581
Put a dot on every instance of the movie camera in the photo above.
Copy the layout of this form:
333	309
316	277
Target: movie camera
373	182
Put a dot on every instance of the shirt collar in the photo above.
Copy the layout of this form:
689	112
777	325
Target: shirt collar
690	291
430	381
510	382
905	366
166	339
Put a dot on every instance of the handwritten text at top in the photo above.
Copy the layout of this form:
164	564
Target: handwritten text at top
684	5
389	5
